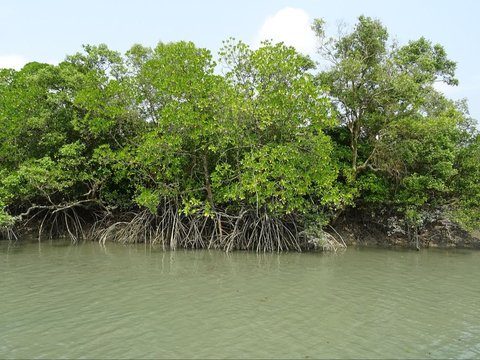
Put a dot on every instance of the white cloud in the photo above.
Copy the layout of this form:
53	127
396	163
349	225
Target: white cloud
12	62
292	26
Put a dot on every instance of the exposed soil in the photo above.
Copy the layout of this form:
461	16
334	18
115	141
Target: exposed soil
362	232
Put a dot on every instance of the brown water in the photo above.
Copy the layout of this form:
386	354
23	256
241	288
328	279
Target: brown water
89	301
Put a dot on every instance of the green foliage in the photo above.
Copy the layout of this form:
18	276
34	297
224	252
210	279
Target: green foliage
375	188
403	141
426	63
6	220
419	154
272	136
466	208
374	84
148	199
281	157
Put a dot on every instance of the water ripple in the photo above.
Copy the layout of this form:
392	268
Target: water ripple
141	302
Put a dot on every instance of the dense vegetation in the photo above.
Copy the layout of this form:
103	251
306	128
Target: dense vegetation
260	151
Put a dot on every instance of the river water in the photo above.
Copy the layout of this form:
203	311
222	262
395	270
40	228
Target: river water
89	301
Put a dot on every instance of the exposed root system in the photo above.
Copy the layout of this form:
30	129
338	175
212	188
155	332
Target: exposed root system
171	229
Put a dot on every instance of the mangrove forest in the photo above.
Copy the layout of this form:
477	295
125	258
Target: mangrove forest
252	149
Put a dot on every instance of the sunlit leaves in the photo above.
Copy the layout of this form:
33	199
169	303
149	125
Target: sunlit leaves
256	133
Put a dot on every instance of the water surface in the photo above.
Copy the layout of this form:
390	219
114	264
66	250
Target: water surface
89	301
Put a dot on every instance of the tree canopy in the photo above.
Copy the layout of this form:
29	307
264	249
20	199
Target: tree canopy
250	151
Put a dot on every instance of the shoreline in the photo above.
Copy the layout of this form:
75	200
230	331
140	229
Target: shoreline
352	233
433	236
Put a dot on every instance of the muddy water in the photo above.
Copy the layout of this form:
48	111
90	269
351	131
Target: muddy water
88	301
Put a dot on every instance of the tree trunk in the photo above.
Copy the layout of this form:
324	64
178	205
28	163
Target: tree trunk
208	185
355	133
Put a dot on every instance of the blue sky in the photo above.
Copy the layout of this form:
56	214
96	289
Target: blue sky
47	30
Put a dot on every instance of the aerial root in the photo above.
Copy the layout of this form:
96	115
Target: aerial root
172	229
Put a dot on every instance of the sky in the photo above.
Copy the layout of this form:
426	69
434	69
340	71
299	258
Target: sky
48	30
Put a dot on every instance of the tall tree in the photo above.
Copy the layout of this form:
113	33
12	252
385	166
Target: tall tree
279	121
373	82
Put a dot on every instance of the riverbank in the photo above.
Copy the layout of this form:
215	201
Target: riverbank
345	231
434	235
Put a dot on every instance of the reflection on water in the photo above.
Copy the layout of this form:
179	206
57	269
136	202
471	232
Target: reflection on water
114	301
